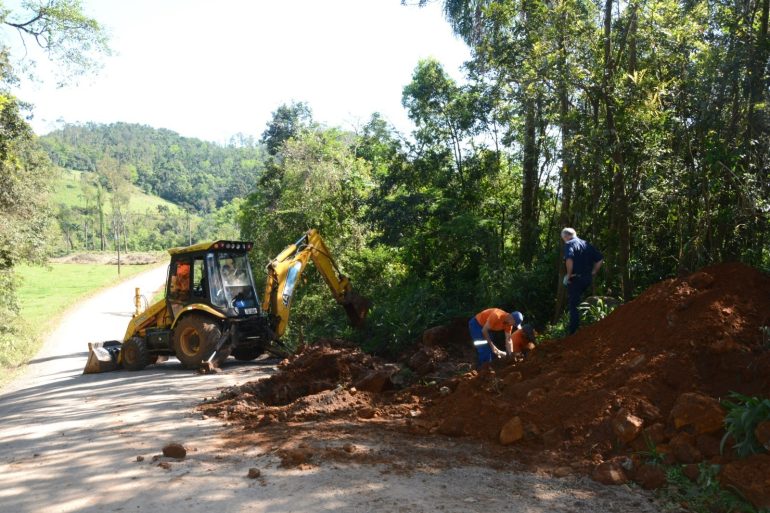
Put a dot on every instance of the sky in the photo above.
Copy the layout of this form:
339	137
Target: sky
210	69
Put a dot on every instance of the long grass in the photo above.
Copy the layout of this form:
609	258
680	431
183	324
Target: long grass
44	294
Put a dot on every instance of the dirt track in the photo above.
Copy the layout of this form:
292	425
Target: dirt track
70	442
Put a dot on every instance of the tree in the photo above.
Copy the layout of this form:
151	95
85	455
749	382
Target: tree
60	28
287	122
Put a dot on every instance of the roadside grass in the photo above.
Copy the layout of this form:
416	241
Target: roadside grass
44	294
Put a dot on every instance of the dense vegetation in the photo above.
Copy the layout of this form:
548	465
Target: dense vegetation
197	175
644	125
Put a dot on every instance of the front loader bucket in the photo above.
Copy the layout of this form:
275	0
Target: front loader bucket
357	308
102	357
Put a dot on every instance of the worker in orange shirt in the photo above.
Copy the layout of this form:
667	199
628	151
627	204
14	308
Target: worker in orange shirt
492	319
522	341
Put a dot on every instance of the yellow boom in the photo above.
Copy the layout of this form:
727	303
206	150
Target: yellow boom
285	270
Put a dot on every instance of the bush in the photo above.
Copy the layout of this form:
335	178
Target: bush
744	413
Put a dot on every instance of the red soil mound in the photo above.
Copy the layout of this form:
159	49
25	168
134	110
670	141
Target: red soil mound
605	392
699	334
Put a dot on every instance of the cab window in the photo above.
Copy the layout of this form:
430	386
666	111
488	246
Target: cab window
179	289
199	279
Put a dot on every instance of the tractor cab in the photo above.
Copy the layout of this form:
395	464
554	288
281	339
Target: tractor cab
217	275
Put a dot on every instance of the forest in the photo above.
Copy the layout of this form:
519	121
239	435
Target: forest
643	125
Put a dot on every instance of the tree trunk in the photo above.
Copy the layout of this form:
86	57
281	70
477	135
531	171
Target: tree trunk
567	171
620	211
528	230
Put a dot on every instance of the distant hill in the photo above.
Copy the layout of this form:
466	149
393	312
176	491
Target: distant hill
195	174
147	223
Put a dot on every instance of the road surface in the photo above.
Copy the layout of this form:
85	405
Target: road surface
85	443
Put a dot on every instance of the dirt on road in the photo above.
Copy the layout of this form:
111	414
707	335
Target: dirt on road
648	379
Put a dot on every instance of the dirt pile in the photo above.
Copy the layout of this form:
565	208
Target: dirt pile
611	389
331	379
107	258
647	378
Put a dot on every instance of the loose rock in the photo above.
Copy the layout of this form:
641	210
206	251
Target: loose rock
700	411
650	477
175	450
512	431
609	473
626	426
751	477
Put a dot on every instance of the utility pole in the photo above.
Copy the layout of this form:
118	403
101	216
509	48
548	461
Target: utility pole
117	244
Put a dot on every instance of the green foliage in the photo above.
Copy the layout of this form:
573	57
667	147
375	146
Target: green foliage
288	121
62	31
744	413
703	496
197	175
594	311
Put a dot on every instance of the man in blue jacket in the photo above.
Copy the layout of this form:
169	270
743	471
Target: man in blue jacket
583	262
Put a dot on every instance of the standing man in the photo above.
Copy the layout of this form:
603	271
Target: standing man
583	262
492	319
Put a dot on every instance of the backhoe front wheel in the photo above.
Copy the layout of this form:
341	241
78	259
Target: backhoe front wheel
134	354
195	337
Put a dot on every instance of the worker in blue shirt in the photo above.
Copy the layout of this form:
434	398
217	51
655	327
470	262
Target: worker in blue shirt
583	262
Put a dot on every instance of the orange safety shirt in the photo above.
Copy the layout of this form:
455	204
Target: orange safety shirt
498	319
519	340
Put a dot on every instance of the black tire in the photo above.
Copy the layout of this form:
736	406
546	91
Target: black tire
134	354
246	354
195	336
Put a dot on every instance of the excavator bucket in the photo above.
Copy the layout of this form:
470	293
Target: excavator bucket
102	357
357	308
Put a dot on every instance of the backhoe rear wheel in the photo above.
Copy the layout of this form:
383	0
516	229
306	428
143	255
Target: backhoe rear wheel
134	354
195	337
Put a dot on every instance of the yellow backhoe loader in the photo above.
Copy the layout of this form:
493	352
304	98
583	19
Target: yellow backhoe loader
211	309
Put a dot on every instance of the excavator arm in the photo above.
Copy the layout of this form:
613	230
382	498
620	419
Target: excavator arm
285	270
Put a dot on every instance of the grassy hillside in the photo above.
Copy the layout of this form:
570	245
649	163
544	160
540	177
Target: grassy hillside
150	223
68	191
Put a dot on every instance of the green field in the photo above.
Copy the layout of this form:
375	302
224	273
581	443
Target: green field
44	291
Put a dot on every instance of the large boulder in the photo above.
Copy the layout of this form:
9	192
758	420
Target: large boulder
703	413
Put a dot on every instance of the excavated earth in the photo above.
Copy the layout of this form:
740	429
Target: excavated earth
646	380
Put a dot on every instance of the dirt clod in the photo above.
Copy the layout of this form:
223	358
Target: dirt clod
175	450
609	473
512	431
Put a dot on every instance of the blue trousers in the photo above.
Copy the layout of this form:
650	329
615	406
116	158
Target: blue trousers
483	352
575	290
